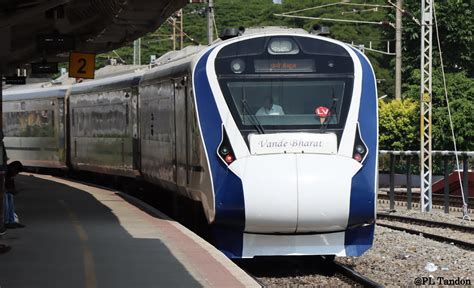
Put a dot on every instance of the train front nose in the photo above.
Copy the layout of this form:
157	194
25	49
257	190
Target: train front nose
296	193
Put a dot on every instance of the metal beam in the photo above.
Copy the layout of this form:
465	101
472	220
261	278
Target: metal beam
398	52
210	21
426	105
137	52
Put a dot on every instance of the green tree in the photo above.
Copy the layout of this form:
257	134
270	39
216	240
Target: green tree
456	28
461	95
398	125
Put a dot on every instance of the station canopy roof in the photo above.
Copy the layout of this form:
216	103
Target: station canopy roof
92	26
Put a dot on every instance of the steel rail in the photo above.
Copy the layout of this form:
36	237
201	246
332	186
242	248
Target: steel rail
425	222
461	244
438	199
354	276
332	269
433	152
417	205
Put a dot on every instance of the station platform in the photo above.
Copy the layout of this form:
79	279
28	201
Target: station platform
78	235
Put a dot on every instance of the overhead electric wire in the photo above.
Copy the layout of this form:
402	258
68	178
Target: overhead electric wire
184	33
465	214
337	3
336	20
123	61
312	8
355	11
413	18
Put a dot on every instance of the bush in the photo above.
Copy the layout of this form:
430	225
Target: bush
399	125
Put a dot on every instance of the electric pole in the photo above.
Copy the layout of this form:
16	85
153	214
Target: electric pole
137	53
426	104
181	31
210	21
398	51
173	23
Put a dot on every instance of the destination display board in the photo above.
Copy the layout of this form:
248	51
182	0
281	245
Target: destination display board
285	66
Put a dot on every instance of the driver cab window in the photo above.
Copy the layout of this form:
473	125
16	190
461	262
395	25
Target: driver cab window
285	102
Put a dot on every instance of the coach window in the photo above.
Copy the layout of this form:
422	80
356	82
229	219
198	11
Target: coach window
38	123
11	124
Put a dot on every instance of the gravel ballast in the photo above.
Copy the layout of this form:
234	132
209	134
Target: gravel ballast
396	259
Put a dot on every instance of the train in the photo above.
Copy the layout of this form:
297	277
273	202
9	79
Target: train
274	131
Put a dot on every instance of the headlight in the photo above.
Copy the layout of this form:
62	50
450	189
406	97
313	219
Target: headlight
360	149
225	151
237	66
283	46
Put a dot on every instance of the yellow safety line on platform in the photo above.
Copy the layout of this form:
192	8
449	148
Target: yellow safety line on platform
89	269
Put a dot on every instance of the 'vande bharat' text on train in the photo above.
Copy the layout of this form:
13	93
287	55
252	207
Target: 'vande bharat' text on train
292	143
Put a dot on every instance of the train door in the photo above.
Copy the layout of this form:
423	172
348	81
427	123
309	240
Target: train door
157	133
181	135
135	129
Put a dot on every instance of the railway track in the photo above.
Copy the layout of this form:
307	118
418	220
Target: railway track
454	228
354	277
424	222
454	201
303	270
416	205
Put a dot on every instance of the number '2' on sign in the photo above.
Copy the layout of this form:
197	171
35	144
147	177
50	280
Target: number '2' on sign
81	65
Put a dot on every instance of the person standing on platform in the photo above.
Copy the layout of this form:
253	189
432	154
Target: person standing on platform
3	155
11	221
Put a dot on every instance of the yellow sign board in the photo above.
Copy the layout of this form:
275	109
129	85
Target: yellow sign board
81	65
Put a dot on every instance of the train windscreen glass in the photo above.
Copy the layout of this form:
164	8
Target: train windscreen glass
286	82
287	101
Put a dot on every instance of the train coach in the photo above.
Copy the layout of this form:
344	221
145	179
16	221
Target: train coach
34	126
274	131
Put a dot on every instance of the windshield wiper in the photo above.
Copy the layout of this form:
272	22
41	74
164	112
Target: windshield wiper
325	124
253	118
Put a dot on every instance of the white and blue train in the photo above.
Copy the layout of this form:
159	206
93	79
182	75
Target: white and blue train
273	131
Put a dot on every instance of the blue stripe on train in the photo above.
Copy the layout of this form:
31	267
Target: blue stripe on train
362	206
229	197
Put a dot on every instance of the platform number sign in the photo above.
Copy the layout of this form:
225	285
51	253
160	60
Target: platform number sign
81	65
